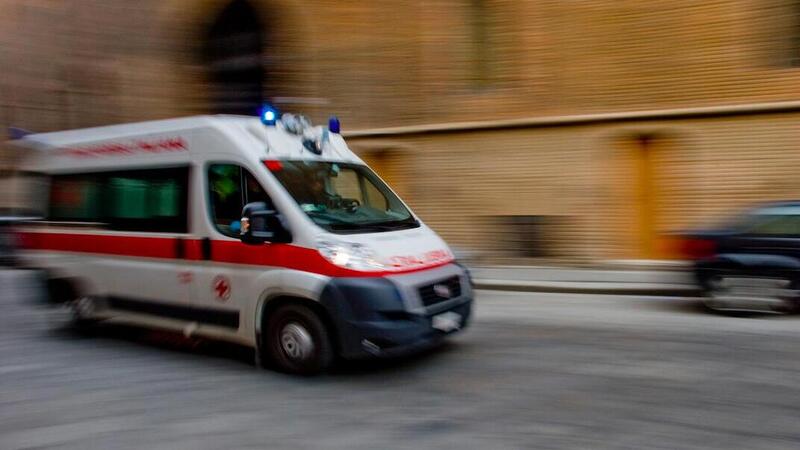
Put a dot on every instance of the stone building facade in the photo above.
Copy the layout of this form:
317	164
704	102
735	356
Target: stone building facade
529	130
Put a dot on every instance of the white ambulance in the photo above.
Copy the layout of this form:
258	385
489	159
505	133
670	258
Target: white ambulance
263	231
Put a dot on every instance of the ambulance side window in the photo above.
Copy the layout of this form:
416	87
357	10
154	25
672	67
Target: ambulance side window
151	200
230	188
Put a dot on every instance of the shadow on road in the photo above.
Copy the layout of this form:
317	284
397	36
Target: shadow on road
676	304
372	366
176	342
158	339
695	306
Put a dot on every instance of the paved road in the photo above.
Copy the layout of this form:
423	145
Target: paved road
535	371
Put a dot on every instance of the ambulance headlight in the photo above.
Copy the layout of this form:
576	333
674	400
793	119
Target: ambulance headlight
349	255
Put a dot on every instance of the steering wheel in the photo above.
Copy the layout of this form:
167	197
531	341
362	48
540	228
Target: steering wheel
351	205
333	201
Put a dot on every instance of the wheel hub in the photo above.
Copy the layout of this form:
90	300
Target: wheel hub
84	307
296	341
750	294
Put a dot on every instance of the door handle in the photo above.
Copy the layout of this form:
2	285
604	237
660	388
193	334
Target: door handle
180	251
205	245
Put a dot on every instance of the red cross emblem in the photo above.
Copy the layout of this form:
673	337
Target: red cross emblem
221	288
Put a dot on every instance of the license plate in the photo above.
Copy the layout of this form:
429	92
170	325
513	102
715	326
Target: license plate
756	287
446	322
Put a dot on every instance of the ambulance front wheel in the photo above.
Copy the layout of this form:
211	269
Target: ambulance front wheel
297	341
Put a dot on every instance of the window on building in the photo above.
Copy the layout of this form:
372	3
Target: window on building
480	56
153	200
492	49
782	33
230	188
794	55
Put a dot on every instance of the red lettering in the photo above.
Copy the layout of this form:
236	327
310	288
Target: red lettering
175	143
118	149
146	146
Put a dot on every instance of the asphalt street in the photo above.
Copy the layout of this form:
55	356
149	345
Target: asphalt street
534	370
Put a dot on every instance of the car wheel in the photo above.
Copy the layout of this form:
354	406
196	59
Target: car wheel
714	300
75	315
787	307
83	314
713	289
297	341
710	303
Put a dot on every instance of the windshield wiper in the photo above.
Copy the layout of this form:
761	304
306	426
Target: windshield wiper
328	217
390	225
387	225
345	226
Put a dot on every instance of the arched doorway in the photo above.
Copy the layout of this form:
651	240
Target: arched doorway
233	54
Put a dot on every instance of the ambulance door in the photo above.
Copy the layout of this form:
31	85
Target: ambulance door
225	284
142	263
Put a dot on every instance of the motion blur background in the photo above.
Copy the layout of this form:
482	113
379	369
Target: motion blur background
522	131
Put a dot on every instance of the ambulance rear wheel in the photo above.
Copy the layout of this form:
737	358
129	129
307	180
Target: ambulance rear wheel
83	320
297	341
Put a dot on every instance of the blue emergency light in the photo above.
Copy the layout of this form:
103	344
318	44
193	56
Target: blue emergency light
269	115
333	125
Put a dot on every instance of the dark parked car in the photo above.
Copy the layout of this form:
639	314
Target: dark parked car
751	262
8	241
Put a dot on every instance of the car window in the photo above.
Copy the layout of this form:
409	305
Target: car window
344	198
230	188
775	225
346	185
153	200
375	197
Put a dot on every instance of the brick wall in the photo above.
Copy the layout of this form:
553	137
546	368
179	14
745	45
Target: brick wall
77	63
579	177
68	64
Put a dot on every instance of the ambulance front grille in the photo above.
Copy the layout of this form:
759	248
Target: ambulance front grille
440	291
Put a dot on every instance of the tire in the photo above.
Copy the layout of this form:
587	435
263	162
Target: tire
296	341
75	315
708	304
789	307
82	309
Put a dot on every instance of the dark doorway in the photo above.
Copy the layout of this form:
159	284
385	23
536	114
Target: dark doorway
234	57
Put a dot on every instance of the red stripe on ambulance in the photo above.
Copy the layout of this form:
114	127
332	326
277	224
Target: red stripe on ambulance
233	252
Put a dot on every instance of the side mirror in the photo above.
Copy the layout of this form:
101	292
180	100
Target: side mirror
260	224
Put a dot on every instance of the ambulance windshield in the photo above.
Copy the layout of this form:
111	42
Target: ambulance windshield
343	198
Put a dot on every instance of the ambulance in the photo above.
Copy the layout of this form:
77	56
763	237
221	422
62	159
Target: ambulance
264	231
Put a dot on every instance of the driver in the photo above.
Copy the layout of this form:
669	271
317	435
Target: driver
316	196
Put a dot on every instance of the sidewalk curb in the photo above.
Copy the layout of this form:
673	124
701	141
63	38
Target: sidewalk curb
668	290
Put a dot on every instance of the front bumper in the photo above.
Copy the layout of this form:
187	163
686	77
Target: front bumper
387	317
728	287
